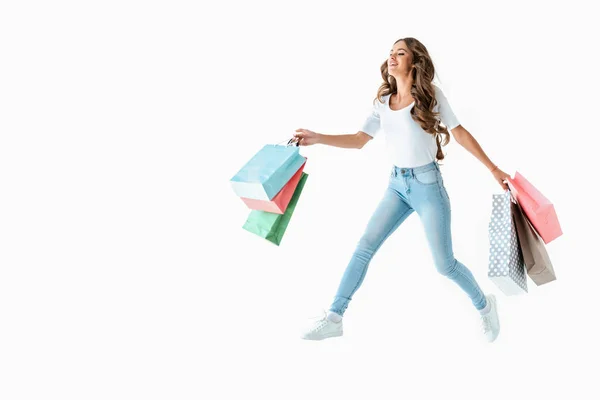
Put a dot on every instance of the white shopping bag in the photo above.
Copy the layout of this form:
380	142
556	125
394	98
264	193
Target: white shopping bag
506	264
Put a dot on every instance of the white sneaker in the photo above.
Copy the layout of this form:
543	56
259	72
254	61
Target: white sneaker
490	321
323	328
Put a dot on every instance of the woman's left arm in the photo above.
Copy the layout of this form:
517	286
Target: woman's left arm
466	140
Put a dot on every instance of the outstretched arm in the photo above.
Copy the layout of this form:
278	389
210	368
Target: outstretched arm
357	140
466	140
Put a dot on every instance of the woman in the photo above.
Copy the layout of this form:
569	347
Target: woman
415	118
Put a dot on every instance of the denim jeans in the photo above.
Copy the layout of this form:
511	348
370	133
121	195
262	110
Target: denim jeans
419	189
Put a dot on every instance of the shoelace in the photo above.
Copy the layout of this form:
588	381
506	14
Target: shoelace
486	324
320	321
321	324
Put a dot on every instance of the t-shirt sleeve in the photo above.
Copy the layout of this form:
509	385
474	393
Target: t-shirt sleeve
372	123
443	107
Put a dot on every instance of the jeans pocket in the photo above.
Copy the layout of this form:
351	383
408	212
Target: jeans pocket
430	177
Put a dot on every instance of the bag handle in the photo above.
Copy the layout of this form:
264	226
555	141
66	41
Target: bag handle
290	142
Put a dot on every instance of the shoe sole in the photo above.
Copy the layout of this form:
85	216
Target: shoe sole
330	335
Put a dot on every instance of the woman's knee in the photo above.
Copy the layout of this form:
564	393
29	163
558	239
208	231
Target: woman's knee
366	243
447	267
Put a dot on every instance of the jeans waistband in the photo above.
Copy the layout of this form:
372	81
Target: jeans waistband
415	170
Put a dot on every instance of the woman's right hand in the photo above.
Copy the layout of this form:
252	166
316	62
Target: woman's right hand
304	137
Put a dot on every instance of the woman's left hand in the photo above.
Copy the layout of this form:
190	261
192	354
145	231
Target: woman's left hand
501	176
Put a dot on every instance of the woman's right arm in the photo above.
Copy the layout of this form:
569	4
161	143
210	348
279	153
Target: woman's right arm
357	140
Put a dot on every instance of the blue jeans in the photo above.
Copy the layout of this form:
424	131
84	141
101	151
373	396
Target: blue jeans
419	189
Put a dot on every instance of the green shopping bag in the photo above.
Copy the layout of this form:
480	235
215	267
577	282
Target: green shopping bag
272	226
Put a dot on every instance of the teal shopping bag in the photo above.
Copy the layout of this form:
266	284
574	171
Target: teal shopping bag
267	172
272	226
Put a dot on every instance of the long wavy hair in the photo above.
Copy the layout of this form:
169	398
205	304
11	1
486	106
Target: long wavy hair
422	91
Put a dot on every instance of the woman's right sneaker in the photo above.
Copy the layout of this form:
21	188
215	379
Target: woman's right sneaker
323	328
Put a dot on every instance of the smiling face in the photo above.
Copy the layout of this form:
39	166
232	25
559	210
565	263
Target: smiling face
400	60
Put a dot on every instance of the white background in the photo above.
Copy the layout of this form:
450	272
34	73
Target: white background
124	270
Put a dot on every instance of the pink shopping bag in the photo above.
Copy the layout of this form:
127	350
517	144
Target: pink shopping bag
537	207
279	203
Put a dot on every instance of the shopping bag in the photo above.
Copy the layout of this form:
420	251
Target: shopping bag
272	226
537	262
506	265
538	209
281	200
267	172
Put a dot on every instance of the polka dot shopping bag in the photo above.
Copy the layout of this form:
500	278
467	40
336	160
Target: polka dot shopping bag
506	264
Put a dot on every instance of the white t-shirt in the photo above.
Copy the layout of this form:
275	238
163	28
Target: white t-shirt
407	143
